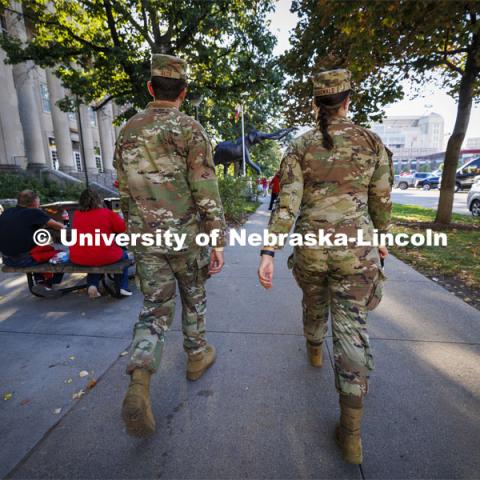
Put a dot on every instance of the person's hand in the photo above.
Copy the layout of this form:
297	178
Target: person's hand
265	271
383	251
217	261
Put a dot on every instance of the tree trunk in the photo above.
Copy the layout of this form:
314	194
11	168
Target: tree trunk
450	165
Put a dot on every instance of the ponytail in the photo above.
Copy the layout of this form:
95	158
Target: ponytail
327	106
322	122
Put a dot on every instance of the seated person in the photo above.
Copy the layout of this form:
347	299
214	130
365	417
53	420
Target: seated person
89	218
17	227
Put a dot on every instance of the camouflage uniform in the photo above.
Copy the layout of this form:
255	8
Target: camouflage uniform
339	190
167	182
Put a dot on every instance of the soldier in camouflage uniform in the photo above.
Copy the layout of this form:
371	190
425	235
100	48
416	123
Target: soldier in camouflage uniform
167	182
337	178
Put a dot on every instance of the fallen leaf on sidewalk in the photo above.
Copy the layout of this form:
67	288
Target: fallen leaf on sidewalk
25	402
71	357
57	411
83	373
7	396
91	384
78	394
68	380
124	353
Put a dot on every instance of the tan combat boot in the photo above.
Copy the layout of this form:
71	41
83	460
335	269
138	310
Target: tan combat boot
137	409
198	363
348	430
315	354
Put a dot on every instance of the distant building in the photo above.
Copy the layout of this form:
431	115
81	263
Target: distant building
36	135
473	143
409	137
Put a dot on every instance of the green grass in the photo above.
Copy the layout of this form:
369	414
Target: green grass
413	213
460	259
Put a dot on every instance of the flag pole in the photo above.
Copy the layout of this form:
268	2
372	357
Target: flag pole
243	144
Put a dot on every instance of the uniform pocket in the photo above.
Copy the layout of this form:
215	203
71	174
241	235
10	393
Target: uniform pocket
377	291
202	263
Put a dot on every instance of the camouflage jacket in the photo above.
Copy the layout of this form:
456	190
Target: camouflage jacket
166	174
348	186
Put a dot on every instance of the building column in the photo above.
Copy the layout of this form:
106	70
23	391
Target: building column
61	124
29	109
87	138
105	118
12	149
116	113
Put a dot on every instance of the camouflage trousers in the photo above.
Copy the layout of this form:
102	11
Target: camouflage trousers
158	276
341	282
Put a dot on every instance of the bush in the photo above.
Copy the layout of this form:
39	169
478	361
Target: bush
235	196
49	191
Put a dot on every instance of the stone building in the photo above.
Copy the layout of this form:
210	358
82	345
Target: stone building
410	137
36	135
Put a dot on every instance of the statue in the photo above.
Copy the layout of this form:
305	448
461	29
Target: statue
228	151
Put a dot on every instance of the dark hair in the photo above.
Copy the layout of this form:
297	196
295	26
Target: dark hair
26	198
89	200
327	106
167	88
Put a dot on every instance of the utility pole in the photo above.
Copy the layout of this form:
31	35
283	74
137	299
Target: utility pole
82	148
244	172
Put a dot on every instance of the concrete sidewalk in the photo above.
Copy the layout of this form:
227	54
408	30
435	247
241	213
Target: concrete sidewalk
261	411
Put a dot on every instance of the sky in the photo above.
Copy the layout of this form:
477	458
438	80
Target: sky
431	99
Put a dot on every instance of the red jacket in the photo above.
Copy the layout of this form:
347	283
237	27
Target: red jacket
275	184
106	221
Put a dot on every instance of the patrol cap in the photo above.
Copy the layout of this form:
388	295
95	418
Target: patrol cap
168	66
331	82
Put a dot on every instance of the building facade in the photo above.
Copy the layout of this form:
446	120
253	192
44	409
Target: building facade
36	135
410	137
473	143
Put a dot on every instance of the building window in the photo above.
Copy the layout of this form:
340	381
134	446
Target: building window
78	161
45	98
93	117
54	156
98	161
72	116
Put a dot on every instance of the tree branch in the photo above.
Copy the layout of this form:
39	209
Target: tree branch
81	40
141	29
448	62
157	36
109	98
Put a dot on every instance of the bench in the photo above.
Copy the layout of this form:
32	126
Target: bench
67	267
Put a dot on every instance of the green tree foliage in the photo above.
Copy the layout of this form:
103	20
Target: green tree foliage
384	43
234	192
101	50
268	155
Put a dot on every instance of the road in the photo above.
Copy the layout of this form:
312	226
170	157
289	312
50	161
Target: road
429	199
261	411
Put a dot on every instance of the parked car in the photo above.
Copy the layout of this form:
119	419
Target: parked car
429	183
473	198
405	181
466	174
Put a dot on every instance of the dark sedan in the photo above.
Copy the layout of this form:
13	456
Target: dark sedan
428	183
